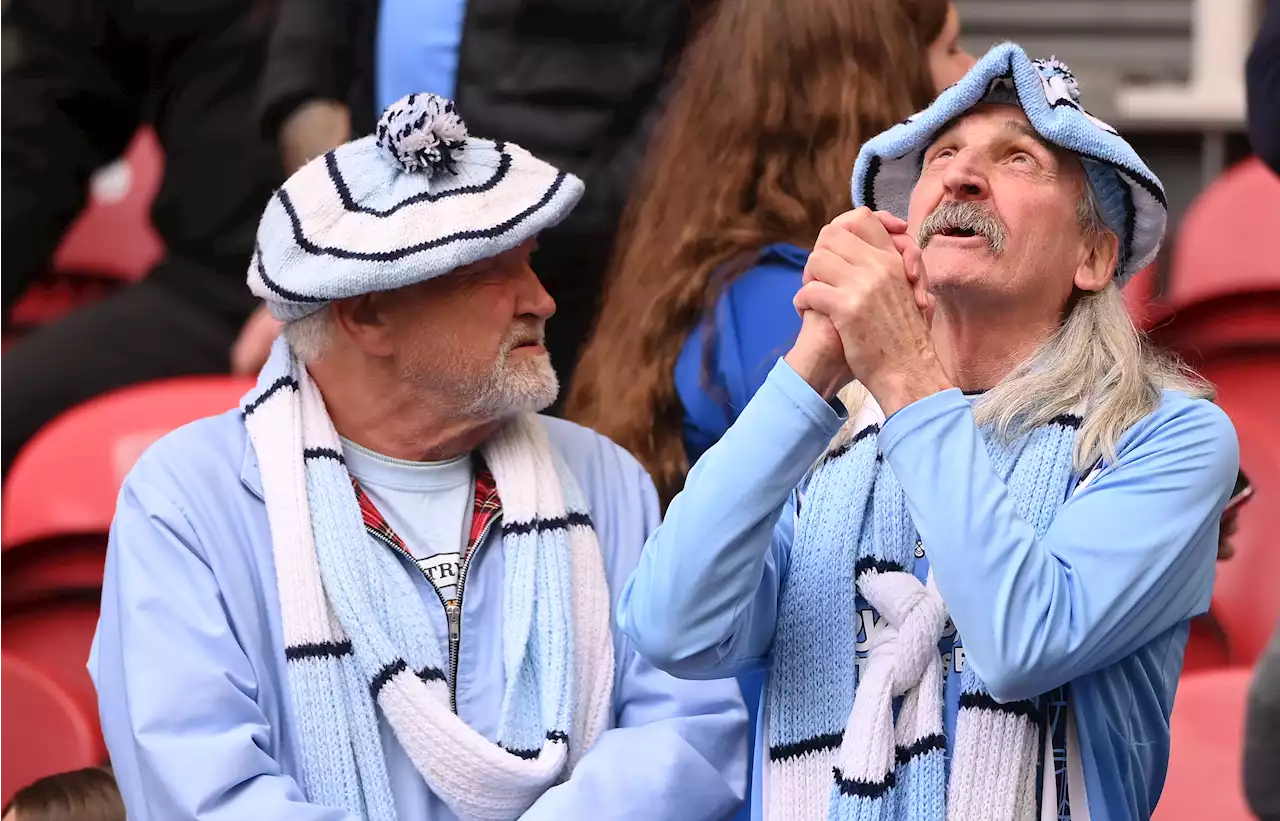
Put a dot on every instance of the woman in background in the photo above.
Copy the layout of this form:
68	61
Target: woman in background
750	160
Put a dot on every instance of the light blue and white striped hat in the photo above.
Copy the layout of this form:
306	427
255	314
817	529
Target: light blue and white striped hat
1133	200
417	199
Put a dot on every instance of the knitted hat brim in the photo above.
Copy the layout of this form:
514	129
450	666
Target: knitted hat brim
1133	199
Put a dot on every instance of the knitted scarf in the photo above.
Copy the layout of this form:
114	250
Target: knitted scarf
358	639
835	749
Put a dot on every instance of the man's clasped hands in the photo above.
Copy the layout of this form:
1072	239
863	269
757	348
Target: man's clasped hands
867	312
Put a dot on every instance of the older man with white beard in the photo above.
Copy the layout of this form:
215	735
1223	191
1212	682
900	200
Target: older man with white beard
383	587
972	592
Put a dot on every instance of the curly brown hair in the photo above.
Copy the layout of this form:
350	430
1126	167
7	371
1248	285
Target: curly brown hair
773	100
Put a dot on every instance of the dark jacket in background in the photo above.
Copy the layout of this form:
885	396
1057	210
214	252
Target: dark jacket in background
576	82
1262	718
1262	79
1262	736
80	77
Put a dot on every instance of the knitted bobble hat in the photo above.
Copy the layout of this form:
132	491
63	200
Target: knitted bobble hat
1132	198
416	199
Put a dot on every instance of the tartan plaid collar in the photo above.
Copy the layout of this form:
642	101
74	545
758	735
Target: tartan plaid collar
486	507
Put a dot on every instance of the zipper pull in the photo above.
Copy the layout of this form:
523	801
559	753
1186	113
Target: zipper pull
453	615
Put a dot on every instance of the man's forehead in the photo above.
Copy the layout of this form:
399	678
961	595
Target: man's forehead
1010	119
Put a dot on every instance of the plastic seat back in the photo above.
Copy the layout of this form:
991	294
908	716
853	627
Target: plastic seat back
44	731
65	481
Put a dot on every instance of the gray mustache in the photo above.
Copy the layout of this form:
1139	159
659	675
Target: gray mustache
965	215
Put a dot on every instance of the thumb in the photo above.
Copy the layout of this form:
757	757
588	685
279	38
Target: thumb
913	263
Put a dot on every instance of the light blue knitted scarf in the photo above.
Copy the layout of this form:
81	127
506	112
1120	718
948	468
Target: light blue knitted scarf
836	750
359	642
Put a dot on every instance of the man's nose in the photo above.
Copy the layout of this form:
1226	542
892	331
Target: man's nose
534	299
965	177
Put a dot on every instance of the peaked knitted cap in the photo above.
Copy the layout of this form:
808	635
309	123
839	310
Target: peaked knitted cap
417	199
1132	198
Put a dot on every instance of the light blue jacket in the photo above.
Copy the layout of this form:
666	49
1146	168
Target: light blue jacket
189	659
1102	601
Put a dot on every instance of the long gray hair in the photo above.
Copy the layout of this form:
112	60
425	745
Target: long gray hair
1097	364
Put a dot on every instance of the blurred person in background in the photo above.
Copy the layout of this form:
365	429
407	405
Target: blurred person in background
731	197
749	162
1262	715
972	589
578	82
80	77
81	795
1262	735
384	587
1262	82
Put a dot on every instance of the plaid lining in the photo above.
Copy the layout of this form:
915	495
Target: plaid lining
485	508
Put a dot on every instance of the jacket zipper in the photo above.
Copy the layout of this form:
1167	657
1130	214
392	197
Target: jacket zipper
453	615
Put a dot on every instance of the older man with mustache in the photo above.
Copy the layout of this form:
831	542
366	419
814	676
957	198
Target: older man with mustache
970	577
382	588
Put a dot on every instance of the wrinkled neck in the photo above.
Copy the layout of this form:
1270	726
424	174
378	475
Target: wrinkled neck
980	347
392	417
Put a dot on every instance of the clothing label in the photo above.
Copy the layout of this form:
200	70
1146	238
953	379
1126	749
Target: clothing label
442	570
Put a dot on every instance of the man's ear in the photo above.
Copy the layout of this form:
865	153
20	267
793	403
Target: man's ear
1098	265
363	321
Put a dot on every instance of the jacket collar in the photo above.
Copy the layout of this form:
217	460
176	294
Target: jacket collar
250	475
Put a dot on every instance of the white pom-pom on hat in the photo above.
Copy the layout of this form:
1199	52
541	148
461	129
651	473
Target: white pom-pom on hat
421	133
1054	72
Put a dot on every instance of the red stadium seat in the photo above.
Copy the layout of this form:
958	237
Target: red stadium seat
1204	780
113	236
50	568
1207	647
1224	245
1244	596
1140	296
54	637
1220	310
65	481
44	730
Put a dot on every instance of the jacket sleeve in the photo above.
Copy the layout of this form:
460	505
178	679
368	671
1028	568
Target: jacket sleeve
177	694
703	601
71	88
678	749
1126	558
1262	83
1262	734
309	57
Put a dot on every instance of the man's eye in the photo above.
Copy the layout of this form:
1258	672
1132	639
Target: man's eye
944	154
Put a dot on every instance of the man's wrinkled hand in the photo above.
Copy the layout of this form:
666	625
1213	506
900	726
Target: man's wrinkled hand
858	277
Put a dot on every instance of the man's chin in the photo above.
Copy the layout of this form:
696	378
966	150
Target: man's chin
527	386
950	265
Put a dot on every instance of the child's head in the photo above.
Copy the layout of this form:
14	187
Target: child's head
82	795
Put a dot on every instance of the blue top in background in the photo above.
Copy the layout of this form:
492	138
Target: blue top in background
417	50
754	324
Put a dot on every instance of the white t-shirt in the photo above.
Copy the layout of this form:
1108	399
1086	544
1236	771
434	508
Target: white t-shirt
428	504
